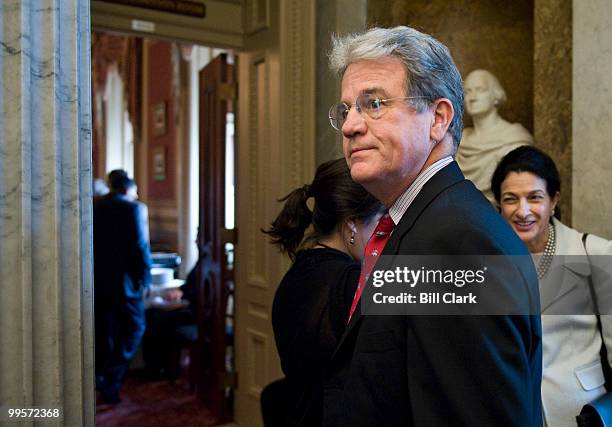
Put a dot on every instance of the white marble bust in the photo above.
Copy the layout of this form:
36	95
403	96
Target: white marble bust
492	137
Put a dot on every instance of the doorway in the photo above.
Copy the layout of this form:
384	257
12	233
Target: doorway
274	149
151	120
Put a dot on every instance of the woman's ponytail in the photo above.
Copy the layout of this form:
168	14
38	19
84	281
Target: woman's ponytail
287	230
336	198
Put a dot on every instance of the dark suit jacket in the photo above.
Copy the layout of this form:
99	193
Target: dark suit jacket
122	258
443	370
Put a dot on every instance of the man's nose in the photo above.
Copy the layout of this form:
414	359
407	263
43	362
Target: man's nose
354	124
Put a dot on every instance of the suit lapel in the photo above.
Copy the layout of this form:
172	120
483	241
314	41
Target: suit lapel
569	269
559	281
446	177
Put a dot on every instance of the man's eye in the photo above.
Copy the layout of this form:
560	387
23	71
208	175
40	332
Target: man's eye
343	112
370	103
374	103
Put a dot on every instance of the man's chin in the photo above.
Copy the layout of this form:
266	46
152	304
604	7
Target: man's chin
362	175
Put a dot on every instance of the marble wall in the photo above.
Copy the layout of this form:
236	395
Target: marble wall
46	328
591	124
552	90
493	34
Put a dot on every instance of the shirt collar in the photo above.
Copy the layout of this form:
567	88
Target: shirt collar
403	202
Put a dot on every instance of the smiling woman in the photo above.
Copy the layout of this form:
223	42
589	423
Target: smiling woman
527	187
527	205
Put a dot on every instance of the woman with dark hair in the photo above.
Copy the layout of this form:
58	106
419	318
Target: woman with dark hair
312	302
526	186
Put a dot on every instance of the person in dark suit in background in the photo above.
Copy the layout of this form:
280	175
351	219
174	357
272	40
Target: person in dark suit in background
116	177
401	119
122	263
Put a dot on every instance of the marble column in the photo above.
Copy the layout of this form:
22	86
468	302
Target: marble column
552	90
46	331
591	124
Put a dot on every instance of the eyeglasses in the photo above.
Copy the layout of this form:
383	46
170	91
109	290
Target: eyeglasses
367	103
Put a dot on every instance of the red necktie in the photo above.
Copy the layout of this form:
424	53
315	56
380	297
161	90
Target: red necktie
372	250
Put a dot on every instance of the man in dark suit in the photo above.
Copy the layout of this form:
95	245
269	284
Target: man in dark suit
401	119
122	263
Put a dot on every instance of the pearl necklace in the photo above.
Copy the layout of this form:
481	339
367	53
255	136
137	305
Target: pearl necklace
549	252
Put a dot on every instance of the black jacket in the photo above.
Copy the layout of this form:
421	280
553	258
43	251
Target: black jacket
309	316
122	258
443	370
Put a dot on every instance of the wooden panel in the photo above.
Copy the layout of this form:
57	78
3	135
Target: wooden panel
161	122
257	140
275	153
257	377
163	225
258	310
163	211
214	279
258	148
257	16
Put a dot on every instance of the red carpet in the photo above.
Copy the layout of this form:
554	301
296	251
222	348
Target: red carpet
161	403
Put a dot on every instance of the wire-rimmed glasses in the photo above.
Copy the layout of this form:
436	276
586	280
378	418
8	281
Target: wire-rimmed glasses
367	103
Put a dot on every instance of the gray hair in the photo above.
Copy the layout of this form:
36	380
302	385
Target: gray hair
430	70
499	94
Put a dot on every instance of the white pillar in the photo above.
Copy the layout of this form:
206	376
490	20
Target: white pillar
46	331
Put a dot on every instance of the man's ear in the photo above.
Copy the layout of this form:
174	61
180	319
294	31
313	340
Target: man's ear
443	114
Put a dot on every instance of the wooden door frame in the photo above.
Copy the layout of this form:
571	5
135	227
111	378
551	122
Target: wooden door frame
213	276
276	152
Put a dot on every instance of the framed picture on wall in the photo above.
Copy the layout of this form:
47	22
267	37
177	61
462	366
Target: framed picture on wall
159	118
159	163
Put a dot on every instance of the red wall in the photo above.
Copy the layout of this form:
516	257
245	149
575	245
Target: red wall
159	88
